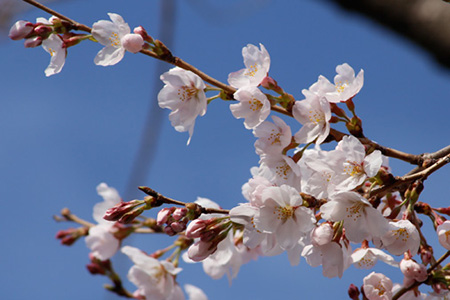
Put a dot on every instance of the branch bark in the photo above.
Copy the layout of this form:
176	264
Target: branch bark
424	22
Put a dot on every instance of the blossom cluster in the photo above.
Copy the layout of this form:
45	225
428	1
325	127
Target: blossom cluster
327	206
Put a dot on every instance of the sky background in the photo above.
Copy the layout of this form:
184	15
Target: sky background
63	135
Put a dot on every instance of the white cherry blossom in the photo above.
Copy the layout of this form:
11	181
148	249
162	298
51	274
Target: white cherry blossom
155	279
280	169
366	258
183	93
116	38
283	215
253	106
346	85
361	220
356	166
314	114
257	65
272	137
401	237
54	46
377	287
443	232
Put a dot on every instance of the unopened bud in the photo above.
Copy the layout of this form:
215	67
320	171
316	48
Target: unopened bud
142	32
132	42
164	215
178	226
179	213
33	42
119	210
129	217
353	292
43	30
195	228
169	231
20	30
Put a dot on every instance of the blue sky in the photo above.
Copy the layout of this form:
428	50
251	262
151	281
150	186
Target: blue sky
61	136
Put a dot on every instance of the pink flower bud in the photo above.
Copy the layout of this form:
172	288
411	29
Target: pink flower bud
20	30
119	210
178	226
201	250
353	292
322	235
42	30
169	231
132	42
179	213
195	228
142	32
33	42
164	215
95	269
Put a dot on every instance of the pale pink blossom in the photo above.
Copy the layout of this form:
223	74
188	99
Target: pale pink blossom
253	106
401	237
280	169
356	166
322	234
54	46
443	232
257	64
155	279
314	114
183	93
366	258
20	30
377	287
272	137
346	85
361	220
283	215
413	271
115	36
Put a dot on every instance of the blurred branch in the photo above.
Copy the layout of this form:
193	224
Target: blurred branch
424	22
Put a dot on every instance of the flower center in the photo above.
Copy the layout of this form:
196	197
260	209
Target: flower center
283	170
274	138
354	212
114	39
353	168
255	104
284	213
340	87
316	116
186	93
402	234
251	71
381	289
52	52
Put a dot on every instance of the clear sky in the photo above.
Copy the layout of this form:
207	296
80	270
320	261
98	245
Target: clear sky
61	136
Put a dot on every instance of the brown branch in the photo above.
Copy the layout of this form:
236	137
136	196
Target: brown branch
424	22
75	24
68	216
160	199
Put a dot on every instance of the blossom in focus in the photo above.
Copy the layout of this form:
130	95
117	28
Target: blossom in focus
314	114
253	106
366	258
183	93
283	215
272	137
401	237
346	85
257	64
361	220
377	287
116	38
155	279
356	166
443	232
413	271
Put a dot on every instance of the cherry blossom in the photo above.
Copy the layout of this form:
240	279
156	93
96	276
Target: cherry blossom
116	38
257	64
356	166
401	237
280	169
313	113
377	287
272	137
183	93
413	271
101	239
443	232
283	215
361	220
366	258
154	279
253	106
346	85
54	46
